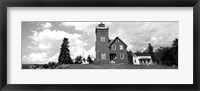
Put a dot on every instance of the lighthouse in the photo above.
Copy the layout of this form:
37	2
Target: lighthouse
102	42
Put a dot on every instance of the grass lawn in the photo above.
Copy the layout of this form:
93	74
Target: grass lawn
112	66
28	66
102	66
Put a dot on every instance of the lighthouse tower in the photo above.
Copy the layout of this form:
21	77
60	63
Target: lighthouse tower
101	44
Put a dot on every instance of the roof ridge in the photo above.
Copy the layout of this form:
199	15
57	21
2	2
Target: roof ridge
115	39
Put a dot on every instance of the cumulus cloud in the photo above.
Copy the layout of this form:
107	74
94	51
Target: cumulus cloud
47	40
33	57
44	39
79	50
53	58
39	58
85	53
137	35
86	26
78	25
46	25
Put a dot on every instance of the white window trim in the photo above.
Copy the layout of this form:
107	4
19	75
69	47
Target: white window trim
121	47
103	56
122	56
102	39
114	47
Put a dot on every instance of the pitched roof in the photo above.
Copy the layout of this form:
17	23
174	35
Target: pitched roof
112	41
142	54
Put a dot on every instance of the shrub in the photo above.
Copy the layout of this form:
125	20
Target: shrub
52	65
46	66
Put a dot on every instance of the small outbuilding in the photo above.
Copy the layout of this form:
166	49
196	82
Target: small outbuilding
142	59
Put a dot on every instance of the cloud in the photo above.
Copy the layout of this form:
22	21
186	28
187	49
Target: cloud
35	57
39	58
91	52
79	50
53	58
48	40
44	39
44	46
137	35
86	26
76	51
78	25
46	25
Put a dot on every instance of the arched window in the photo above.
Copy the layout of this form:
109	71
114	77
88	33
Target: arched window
122	56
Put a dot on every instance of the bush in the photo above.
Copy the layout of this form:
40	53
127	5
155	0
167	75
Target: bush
89	59
52	65
35	66
78	60
46	66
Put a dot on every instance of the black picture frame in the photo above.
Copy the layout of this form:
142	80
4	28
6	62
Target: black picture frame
99	3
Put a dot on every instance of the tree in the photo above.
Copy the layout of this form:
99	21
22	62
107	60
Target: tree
168	55
150	49
52	65
89	59
64	57
175	43
151	52
138	52
175	51
158	55
78	60
45	66
84	60
130	57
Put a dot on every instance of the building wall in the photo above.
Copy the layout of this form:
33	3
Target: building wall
118	52
136	59
101	47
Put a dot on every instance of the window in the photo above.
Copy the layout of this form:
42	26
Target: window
103	56
122	56
102	39
120	47
117	40
114	47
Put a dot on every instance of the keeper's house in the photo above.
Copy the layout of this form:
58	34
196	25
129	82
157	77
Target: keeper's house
142	59
109	50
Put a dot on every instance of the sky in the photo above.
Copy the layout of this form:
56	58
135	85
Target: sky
41	40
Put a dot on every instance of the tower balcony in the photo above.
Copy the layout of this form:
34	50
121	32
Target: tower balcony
102	28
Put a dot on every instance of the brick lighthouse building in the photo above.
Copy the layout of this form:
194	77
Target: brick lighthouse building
108	50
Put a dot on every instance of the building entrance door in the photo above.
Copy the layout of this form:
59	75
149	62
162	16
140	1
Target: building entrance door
113	56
